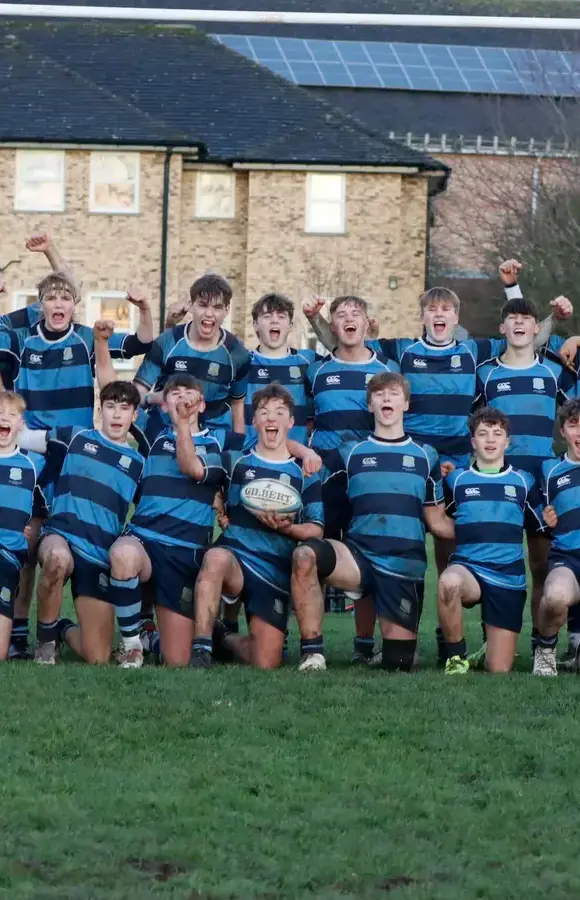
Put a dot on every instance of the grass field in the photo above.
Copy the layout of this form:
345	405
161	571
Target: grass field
238	785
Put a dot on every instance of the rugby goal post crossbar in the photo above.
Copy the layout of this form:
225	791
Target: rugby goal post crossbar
180	16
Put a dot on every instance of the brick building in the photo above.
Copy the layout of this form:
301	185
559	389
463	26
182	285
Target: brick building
154	154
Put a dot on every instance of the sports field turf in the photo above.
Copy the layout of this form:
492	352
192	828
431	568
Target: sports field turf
238	785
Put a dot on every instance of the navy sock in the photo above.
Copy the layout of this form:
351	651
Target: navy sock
484	632
19	637
312	645
47	631
534	638
398	656
203	643
126	596
543	641
457	648
364	646
231	627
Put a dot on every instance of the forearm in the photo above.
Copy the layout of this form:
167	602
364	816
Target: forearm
104	370
323	331
238	418
145	329
59	264
187	459
304	532
544	333
438	523
154	398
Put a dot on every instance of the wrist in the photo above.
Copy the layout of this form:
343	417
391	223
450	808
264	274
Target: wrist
513	291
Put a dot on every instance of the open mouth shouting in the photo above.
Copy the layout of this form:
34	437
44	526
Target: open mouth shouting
5	433
206	327
439	328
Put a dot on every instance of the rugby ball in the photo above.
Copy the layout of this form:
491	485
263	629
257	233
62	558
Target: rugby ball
270	495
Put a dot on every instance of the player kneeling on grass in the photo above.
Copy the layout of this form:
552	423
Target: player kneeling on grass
19	473
394	490
171	527
252	558
98	480
561	489
488	501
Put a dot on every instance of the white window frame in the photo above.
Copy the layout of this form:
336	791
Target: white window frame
310	200
93	312
21	155
94	207
198	212
20	298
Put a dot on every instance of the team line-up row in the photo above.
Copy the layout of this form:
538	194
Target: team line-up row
358	437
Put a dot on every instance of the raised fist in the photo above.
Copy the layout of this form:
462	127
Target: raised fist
176	312
509	271
138	297
561	307
312	307
103	329
39	243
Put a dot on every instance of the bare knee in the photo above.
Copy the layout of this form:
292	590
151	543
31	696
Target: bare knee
215	563
55	563
450	586
555	600
304	561
124	560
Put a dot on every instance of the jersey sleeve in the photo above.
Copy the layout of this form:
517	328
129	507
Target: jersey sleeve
534	501
9	356
233	440
434	485
335	461
312	509
215	471
567	382
242	362
137	432
389	348
448	494
151	368
489	348
126	346
21	318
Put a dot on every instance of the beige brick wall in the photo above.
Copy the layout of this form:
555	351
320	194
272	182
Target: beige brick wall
265	247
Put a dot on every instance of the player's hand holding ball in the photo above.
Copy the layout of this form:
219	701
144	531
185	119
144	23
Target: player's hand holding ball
103	329
276	521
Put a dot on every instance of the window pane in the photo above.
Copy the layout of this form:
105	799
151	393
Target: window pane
215	197
326	216
114	182
326	187
39	181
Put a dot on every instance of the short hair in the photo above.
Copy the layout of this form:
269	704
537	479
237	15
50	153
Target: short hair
519	306
56	281
486	415
349	298
270	303
185	381
121	392
16	401
211	287
439	295
388	379
569	412
273	391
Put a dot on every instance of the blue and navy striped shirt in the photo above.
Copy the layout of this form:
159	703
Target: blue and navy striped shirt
174	509
339	394
96	486
388	484
560	483
530	397
266	552
489	514
56	375
222	371
290	372
442	381
25	317
19	481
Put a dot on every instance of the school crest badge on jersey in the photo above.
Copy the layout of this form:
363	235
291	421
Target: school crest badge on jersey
213	369
295	373
15	475
456	362
408	462
5	596
125	462
67	354
538	384
285	478
510	491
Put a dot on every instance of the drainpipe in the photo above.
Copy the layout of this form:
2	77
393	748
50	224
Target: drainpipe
164	231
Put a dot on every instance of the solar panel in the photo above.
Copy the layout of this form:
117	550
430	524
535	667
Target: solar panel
419	67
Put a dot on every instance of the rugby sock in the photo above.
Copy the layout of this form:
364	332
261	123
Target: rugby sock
364	646
19	637
202	643
126	597
398	656
573	626
442	652
534	639
457	648
47	631
484	632
312	645
285	645
231	627
543	641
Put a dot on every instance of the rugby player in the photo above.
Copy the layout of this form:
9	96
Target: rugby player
172	525
29	315
393	485
99	476
207	351
561	488
252	558
488	501
528	389
19	481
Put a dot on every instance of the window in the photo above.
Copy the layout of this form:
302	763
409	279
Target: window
113	305
39	181
215	195
114	183
325	203
20	299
